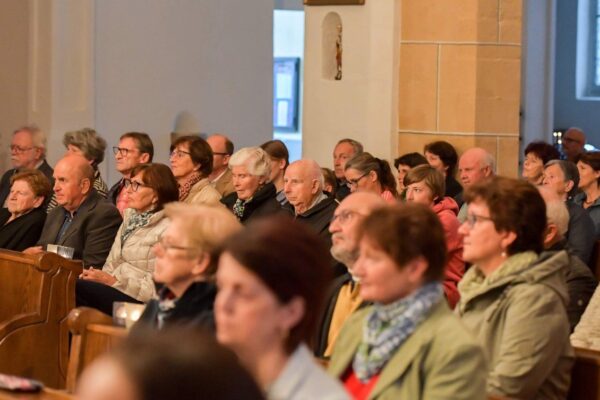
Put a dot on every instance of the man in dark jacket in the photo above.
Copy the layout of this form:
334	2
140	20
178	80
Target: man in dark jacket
581	282
83	220
303	188
344	294
27	151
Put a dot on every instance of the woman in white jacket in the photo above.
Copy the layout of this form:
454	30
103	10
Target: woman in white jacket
127	273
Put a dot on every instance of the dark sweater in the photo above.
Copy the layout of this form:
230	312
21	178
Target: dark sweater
263	203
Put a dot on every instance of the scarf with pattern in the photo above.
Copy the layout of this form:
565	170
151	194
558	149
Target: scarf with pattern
184	190
388	326
136	221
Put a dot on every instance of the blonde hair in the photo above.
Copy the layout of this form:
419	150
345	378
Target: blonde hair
205	227
256	160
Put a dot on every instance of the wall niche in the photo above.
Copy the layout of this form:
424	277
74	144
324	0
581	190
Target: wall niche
332	41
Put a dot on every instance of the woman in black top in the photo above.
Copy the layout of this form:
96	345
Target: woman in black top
443	157
22	221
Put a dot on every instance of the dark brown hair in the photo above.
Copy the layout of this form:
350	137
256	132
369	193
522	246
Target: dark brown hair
591	158
407	231
515	206
365	163
446	152
410	159
291	260
200	152
183	364
39	183
142	142
278	150
543	150
330	179
159	178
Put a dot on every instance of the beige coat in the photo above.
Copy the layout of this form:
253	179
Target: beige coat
519	316
203	193
224	184
132	262
440	360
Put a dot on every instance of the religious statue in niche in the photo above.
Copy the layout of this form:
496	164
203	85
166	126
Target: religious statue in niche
338	54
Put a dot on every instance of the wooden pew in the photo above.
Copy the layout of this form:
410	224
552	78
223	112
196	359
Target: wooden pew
36	294
92	333
595	260
585	377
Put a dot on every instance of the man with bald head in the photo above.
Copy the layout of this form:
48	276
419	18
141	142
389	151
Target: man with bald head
573	142
83	220
345	291
303	188
475	165
220	176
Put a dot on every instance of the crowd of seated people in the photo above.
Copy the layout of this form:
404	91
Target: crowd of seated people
292	266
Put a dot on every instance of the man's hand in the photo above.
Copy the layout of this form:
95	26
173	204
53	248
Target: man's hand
34	250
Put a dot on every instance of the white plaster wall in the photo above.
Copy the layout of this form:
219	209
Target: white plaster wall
156	58
363	105
537	90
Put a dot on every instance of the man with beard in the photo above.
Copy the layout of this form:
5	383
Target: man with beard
344	295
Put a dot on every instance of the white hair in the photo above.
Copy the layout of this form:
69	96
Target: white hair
557	214
255	159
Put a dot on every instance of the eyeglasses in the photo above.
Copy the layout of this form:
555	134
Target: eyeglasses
166	246
179	153
122	151
134	185
354	182
19	149
344	216
472	219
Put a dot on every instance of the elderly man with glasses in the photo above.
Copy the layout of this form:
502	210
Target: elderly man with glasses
27	151
345	290
134	148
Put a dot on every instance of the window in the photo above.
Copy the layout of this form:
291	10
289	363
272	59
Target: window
588	49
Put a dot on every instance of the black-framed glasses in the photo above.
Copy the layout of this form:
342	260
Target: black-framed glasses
122	151
19	149
179	153
354	182
472	219
134	185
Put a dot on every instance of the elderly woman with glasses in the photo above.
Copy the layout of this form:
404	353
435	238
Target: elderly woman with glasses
514	297
364	172
192	163
186	265
88	143
254	195
127	273
21	223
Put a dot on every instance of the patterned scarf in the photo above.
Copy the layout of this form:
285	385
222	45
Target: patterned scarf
388	326
136	221
184	190
239	207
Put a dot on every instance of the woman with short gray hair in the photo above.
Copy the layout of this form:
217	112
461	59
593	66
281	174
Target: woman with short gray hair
89	144
254	195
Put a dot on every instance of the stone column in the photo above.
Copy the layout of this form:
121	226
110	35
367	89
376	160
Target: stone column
460	76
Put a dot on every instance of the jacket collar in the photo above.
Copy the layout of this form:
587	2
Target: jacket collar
87	206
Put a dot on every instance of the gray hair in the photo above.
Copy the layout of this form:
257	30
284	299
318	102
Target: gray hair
356	145
489	161
89	142
570	172
38	137
557	214
256	160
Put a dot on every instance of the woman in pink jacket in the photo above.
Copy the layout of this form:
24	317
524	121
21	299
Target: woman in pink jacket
424	184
